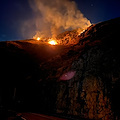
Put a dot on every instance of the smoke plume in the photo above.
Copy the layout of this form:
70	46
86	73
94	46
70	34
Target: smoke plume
55	16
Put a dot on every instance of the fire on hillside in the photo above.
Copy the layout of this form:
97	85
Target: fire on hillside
68	37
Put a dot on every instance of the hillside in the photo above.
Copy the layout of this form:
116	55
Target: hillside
35	75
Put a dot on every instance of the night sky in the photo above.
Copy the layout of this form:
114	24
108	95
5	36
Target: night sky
14	12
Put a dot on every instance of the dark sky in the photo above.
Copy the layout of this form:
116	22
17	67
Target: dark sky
14	12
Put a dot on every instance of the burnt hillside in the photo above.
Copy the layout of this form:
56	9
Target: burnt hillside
32	75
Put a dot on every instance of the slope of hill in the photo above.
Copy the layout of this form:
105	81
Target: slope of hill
80	80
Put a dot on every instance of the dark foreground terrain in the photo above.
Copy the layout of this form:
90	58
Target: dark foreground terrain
79	81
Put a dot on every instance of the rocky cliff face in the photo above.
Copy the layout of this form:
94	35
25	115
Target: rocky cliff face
36	70
93	92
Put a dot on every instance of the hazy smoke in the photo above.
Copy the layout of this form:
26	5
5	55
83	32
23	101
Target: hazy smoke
55	16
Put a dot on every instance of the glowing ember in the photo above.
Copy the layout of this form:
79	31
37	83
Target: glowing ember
38	38
52	42
83	31
80	32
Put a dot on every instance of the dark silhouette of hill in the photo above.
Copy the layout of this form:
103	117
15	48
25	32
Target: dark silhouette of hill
32	74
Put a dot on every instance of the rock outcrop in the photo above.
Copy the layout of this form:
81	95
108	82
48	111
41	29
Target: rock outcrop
93	92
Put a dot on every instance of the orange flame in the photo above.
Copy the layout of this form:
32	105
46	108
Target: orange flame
52	42
38	38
